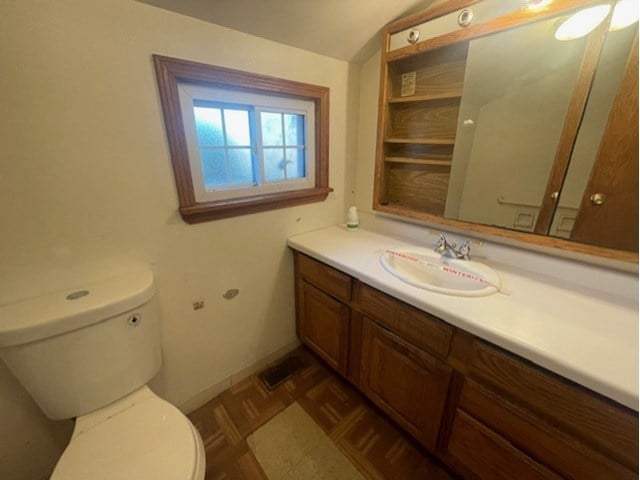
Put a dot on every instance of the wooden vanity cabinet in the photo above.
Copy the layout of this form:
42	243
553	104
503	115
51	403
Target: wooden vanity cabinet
485	412
527	420
323	317
399	368
407	383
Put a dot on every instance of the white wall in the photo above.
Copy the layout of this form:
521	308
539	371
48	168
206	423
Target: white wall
367	132
86	191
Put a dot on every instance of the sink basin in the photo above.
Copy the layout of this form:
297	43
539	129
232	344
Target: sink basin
429	270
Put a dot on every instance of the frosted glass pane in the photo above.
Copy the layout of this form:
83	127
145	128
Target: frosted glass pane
293	129
273	164
271	128
295	163
240	165
214	169
236	123
208	126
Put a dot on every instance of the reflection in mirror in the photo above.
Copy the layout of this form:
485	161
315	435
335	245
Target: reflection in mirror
611	67
517	90
491	129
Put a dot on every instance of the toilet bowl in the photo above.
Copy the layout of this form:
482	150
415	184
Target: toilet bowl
88	354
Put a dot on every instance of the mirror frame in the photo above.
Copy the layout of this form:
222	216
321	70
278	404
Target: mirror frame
581	94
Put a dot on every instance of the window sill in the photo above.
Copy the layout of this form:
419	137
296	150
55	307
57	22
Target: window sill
202	212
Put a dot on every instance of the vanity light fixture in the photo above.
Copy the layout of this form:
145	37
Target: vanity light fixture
583	22
535	5
624	14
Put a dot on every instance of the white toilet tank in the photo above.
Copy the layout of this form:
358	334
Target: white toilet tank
79	350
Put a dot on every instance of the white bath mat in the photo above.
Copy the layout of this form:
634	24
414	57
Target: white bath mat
291	446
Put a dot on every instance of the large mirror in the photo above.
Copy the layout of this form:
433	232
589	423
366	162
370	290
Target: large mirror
518	89
546	137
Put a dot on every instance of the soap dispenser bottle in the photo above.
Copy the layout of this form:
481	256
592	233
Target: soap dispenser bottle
352	219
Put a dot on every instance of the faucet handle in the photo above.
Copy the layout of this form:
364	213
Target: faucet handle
441	244
464	250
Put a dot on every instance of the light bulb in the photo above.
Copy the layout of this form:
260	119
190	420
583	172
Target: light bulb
581	23
624	14
535	5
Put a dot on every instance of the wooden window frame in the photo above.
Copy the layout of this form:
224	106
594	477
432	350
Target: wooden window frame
171	71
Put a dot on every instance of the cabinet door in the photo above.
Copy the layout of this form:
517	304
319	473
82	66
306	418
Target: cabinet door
608	213
408	384
324	326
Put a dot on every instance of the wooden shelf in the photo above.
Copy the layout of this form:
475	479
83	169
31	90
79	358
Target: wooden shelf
426	98
420	161
423	141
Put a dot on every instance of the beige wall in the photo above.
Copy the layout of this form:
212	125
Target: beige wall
86	190
367	132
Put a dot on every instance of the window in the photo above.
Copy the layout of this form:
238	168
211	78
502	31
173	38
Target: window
240	142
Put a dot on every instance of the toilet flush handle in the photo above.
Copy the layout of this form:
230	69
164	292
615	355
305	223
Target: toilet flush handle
134	320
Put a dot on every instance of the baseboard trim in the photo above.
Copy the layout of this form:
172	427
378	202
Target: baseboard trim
202	397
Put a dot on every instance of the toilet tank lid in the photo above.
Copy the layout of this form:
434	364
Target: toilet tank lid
53	314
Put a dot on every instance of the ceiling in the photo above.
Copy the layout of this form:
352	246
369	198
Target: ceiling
343	29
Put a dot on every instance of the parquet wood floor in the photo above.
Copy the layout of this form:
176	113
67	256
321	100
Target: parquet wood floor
371	442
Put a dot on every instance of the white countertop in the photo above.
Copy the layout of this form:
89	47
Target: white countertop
582	334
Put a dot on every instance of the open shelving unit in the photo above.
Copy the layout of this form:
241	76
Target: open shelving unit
420	100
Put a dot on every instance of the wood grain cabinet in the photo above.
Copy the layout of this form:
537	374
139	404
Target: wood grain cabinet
485	412
324	326
526	417
323	320
409	384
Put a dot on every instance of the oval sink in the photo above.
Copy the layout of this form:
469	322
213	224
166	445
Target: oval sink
429	270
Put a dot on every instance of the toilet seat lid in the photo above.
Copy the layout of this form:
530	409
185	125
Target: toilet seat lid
150	440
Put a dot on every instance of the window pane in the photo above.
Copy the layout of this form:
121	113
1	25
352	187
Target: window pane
293	129
214	169
208	126
236	123
295	163
273	164
240	165
271	128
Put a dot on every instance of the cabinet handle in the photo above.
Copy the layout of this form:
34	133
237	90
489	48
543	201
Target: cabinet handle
597	198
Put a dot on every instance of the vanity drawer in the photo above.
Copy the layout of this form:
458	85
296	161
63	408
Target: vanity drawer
486	455
424	331
328	279
538	439
604	425
415	326
379	306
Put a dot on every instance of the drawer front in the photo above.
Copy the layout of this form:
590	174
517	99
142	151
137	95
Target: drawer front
379	306
408	384
604	425
425	331
415	326
326	278
487	455
538	439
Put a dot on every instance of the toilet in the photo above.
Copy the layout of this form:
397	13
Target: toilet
88	354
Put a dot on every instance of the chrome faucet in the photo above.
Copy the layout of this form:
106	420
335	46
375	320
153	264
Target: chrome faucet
449	250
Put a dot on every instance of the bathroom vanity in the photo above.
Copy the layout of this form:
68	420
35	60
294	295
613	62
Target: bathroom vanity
520	385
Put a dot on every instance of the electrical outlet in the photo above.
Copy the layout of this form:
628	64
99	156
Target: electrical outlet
198	304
